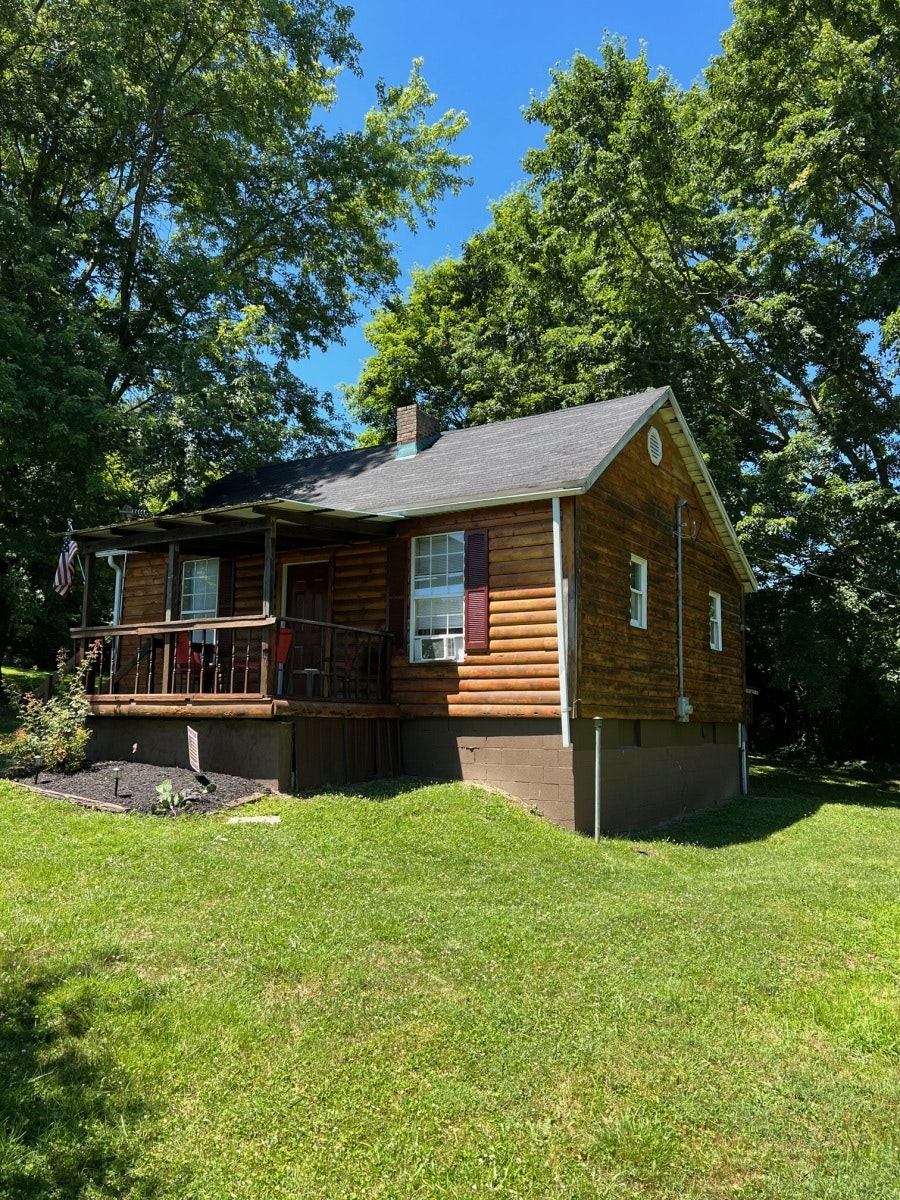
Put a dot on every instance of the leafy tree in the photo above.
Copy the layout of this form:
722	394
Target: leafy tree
178	225
738	240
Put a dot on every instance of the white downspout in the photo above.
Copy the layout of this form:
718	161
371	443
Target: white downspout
118	596
563	649
119	592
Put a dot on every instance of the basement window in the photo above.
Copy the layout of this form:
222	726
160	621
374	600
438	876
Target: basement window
638	592
715	621
438	597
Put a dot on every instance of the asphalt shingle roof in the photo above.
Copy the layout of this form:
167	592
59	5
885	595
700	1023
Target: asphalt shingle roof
554	451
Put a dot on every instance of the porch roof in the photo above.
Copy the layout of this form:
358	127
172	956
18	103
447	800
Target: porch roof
239	521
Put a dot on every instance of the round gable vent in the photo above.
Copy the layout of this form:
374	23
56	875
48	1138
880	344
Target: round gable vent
654	445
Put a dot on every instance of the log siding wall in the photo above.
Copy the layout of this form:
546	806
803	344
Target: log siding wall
518	675
625	672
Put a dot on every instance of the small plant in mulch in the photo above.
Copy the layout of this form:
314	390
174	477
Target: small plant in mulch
172	802
55	730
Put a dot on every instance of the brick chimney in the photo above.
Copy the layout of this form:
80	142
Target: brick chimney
416	430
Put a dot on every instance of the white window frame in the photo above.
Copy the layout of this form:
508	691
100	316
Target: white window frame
715	621
436	647
198	614
638	604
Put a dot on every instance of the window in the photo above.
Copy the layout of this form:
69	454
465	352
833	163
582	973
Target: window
200	588
638	592
715	621
438	596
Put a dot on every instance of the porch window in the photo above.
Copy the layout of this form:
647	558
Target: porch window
638	592
715	621
199	588
438	596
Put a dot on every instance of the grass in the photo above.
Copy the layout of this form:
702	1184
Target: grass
422	991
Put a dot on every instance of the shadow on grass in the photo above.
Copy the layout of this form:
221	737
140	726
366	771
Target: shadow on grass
64	1108
781	794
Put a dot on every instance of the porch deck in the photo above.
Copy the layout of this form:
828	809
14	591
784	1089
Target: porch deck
253	665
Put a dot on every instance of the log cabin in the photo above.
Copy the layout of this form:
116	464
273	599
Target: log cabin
551	605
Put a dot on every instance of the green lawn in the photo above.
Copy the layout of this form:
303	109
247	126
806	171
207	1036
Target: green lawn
427	992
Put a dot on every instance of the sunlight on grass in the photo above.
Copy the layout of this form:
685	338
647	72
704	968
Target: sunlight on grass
429	992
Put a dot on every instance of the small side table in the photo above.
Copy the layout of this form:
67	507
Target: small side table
310	673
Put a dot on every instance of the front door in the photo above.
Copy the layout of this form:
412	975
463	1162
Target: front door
306	598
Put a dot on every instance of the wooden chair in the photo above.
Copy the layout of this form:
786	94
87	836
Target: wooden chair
341	673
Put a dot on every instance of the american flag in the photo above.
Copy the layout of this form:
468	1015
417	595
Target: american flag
65	568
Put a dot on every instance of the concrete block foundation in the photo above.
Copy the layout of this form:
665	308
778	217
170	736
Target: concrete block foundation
651	771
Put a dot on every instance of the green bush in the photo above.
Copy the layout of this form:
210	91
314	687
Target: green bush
56	729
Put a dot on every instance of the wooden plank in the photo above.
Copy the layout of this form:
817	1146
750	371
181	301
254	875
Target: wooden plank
505	670
504	595
479	710
530	604
518	630
525	643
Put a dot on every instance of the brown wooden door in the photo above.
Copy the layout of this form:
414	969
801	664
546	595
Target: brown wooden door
306	598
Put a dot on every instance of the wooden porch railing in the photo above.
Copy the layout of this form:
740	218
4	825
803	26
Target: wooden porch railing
239	656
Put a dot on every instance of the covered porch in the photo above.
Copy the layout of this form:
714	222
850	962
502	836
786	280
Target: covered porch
254	609
269	658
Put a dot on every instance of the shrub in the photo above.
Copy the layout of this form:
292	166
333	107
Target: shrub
56	729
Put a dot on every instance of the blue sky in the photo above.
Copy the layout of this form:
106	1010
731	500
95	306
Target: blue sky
488	58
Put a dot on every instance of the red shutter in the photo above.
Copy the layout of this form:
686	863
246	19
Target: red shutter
476	618
398	592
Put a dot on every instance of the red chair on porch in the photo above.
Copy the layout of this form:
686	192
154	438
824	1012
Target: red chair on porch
284	644
187	660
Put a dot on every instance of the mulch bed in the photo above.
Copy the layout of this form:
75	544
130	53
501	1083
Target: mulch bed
137	787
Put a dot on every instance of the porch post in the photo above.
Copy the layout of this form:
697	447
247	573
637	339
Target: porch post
87	599
268	596
268	607
171	592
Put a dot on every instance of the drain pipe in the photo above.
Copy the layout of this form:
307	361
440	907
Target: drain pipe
118	597
119	569
563	649
598	738
685	708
